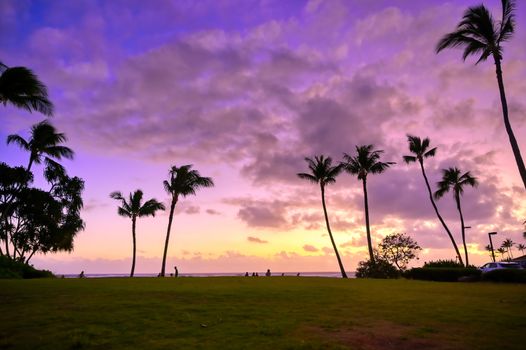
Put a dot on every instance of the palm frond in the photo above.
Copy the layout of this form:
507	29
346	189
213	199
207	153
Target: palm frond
18	140
409	159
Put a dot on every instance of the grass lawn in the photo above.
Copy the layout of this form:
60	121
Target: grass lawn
259	313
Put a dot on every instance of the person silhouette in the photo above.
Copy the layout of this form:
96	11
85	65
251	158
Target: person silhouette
81	274
246	274
176	271
268	273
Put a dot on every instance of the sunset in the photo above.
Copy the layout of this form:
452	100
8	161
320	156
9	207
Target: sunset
251	94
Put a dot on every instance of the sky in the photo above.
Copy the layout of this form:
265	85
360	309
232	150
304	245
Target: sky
244	91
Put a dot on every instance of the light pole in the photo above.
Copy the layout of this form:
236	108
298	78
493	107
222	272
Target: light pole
491	244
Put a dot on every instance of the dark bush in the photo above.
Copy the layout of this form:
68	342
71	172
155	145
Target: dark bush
378	269
10	268
505	275
443	263
443	274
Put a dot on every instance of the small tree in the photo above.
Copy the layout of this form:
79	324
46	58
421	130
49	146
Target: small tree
398	249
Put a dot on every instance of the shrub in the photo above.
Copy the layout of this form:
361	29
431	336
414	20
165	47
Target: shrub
443	263
377	269
443	274
10	268
505	275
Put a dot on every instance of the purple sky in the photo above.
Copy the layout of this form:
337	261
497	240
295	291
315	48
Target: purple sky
244	90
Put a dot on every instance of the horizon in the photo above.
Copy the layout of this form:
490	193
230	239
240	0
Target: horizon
244	91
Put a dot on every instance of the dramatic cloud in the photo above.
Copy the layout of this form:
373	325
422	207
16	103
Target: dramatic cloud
244	91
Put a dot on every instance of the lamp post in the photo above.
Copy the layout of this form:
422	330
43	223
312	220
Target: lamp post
491	244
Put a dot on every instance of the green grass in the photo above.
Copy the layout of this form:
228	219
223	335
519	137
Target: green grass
259	313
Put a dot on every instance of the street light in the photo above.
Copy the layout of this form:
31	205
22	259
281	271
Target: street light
491	244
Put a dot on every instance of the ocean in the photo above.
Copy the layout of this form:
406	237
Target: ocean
227	274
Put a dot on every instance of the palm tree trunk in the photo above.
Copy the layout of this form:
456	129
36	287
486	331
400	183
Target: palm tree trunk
170	218
438	213
367	228
463	228
344	274
509	130
134	247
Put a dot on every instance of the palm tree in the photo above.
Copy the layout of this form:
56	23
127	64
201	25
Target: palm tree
508	244
44	141
452	180
521	247
323	173
501	251
20	87
480	35
421	151
365	162
133	208
183	181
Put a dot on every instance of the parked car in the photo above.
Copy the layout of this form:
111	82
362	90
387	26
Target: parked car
498	266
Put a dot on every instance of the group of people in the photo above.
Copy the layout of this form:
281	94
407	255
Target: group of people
268	274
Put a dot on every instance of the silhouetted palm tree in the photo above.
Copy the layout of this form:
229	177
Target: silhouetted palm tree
421	151
20	87
366	161
44	141
501	251
452	180
480	35
183	182
521	247
323	173
508	244
133	208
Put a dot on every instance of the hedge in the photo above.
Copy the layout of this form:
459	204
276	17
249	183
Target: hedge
443	274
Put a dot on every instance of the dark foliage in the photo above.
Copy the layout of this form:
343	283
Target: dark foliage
376	269
443	274
10	268
443	263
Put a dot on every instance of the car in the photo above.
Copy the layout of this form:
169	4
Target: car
499	266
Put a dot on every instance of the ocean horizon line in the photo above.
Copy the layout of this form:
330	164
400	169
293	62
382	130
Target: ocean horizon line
330	274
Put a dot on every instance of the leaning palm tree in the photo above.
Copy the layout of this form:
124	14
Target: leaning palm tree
420	150
479	34
183	182
366	161
453	180
521	247
508	244
20	87
44	143
134	208
322	172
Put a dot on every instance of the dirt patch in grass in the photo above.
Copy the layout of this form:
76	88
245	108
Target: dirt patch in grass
382	335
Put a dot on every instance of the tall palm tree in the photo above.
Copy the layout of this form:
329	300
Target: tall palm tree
45	142
365	162
420	150
20	87
322	172
453	180
508	244
134	208
479	34
183	181
521	247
